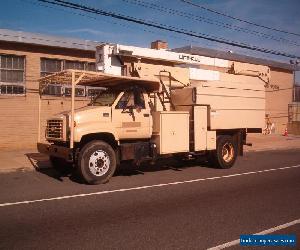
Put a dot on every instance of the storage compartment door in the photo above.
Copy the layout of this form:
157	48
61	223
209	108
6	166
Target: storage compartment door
200	127
174	133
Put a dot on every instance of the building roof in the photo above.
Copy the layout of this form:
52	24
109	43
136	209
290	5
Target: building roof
235	57
80	44
46	40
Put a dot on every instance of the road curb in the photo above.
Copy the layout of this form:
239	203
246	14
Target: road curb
31	165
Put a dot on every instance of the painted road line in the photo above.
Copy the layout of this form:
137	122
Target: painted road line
268	231
144	187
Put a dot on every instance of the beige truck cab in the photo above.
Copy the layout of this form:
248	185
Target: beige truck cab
116	125
123	113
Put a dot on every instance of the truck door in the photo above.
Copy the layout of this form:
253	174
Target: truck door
131	115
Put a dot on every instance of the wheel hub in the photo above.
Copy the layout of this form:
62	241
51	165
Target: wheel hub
228	152
99	163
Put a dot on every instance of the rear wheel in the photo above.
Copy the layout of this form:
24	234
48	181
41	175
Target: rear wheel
226	152
96	162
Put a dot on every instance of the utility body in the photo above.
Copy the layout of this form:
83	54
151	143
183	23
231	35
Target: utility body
152	107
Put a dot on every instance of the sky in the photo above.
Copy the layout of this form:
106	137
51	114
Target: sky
33	16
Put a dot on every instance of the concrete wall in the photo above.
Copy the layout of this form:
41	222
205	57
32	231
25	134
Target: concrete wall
277	100
19	114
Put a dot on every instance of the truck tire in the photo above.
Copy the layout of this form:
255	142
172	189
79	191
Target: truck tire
225	154
60	165
96	162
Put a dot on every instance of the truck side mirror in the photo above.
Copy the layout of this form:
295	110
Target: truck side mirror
129	110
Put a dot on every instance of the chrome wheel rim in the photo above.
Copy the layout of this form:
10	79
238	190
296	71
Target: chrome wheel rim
227	152
99	163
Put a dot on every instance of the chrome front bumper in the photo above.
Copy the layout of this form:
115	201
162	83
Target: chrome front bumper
56	151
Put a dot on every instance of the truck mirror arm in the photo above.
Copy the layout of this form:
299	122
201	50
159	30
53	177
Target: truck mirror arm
130	111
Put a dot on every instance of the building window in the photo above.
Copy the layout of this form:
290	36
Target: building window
12	89
53	89
50	66
12	69
74	65
65	90
79	91
94	91
79	65
91	66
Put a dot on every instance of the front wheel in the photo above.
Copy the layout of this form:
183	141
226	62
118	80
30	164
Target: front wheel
96	162
226	152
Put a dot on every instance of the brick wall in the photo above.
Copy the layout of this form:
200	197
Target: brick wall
19	114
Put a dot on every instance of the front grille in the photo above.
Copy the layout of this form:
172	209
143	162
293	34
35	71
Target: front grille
54	129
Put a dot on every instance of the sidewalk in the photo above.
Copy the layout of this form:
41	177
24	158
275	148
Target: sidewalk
262	142
22	160
30	159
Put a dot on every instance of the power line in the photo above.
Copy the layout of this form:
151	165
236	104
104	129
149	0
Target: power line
83	15
209	21
117	23
239	19
165	27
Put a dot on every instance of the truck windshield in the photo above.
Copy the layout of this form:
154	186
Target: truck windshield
105	98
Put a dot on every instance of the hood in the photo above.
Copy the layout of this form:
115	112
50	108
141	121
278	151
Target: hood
93	114
76	110
88	114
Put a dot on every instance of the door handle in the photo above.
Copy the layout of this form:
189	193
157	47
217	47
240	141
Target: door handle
146	115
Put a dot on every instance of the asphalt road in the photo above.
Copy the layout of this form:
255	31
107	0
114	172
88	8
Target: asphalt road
156	207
